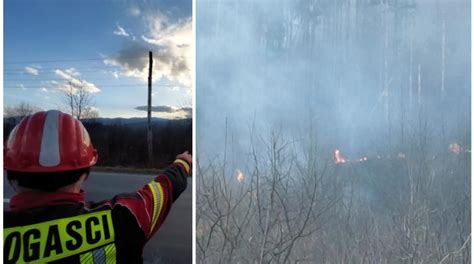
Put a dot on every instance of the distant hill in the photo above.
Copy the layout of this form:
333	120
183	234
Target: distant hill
134	120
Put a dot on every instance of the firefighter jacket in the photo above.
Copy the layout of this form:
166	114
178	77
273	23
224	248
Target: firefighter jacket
61	227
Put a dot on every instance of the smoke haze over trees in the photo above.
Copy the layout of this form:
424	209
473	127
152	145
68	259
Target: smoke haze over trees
282	85
361	70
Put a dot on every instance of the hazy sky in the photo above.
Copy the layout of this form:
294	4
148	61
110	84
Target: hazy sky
105	45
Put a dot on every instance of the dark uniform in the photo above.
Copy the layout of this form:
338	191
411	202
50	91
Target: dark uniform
61	227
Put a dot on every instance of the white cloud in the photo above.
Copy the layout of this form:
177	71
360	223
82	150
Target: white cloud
134	11
72	71
178	35
120	31
175	88
133	61
44	89
32	70
172	46
21	86
175	41
70	80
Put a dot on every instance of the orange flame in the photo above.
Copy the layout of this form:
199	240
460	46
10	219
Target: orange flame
240	176
455	148
338	157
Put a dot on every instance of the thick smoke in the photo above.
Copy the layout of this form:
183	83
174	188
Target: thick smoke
363	75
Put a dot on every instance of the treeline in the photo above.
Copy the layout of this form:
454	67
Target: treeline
125	144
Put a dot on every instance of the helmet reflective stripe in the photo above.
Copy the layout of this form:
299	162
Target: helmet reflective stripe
49	153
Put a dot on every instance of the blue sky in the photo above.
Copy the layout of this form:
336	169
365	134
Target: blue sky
103	45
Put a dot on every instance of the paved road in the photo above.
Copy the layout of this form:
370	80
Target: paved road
173	242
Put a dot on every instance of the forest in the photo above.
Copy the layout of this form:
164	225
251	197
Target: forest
341	133
122	142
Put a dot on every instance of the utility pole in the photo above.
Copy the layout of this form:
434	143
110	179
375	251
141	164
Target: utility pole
150	134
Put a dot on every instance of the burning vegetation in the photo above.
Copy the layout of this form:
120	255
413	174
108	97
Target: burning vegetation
338	157
239	175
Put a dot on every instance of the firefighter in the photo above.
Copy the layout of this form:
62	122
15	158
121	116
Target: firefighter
47	158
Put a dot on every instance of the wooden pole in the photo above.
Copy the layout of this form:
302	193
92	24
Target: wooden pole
150	134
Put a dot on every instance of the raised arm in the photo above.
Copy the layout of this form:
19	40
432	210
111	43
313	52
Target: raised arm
151	204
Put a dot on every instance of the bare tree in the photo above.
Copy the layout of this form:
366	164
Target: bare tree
79	101
20	110
271	214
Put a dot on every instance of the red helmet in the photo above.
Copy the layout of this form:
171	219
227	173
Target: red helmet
49	141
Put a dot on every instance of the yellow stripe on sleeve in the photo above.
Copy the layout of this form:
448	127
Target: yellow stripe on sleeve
185	164
155	204
157	191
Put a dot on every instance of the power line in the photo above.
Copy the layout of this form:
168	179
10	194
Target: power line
105	67
91	59
99	86
35	80
47	81
23	70
78	69
30	100
65	60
